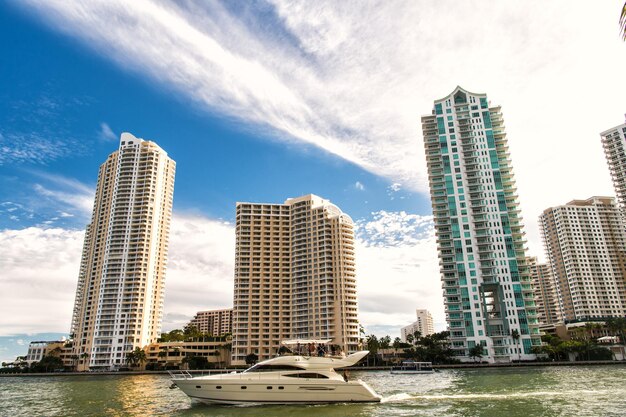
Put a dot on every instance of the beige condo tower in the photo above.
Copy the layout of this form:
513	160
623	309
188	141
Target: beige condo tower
294	276
585	241
119	296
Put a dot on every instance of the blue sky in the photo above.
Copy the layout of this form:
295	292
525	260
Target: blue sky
58	94
265	100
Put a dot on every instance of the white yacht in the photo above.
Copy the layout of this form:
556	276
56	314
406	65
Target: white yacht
282	380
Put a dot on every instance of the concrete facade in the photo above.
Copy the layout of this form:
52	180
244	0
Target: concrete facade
119	296
585	242
214	322
294	276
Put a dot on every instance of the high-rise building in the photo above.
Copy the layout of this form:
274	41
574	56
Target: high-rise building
548	311
614	144
119	296
487	292
215	322
585	242
423	324
294	276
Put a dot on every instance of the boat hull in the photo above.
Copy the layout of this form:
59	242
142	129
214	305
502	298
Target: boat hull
273	392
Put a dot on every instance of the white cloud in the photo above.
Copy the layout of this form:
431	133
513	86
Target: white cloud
106	133
359	186
201	268
392	229
395	187
40	271
353	78
19	147
397	271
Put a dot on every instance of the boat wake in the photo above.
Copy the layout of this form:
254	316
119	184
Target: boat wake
397	398
537	394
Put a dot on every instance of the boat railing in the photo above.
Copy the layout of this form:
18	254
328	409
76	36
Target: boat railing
178	374
186	374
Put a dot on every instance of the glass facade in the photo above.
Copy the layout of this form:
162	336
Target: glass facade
486	282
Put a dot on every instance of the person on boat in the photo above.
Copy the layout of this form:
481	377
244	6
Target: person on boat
320	350
346	375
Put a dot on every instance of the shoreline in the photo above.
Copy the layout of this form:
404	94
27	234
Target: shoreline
354	369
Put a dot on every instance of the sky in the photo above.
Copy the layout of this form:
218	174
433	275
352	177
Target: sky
261	101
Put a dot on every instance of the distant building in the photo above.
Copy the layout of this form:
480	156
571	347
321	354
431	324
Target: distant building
294	276
423	324
171	355
480	235
59	348
585	242
119	296
38	349
614	144
214	322
548	311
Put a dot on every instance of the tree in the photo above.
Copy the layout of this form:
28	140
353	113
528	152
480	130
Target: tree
136	357
410	338
417	335
191	332
196	362
385	342
515	336
74	361
251	358
373	345
433	348
48	363
476	352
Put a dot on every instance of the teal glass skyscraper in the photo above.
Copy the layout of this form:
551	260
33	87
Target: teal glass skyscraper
485	277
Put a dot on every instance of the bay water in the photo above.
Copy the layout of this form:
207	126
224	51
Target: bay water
510	392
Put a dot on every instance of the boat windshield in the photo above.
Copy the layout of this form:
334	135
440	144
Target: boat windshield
272	368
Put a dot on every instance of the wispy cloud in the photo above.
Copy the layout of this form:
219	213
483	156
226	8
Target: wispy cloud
393	229
106	133
65	193
353	77
32	147
359	186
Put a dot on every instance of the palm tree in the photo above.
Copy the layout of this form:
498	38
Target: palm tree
476	352
130	359
417	335
515	336
74	361
140	356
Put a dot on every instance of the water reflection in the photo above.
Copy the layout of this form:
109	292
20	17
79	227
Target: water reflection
524	392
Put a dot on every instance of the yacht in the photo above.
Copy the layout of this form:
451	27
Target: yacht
412	367
292	379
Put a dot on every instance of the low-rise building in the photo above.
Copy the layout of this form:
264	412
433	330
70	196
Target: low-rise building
171	355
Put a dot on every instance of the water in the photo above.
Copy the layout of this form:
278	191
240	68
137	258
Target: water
550	391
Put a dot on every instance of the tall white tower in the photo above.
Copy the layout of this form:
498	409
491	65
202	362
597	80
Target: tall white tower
614	144
119	296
